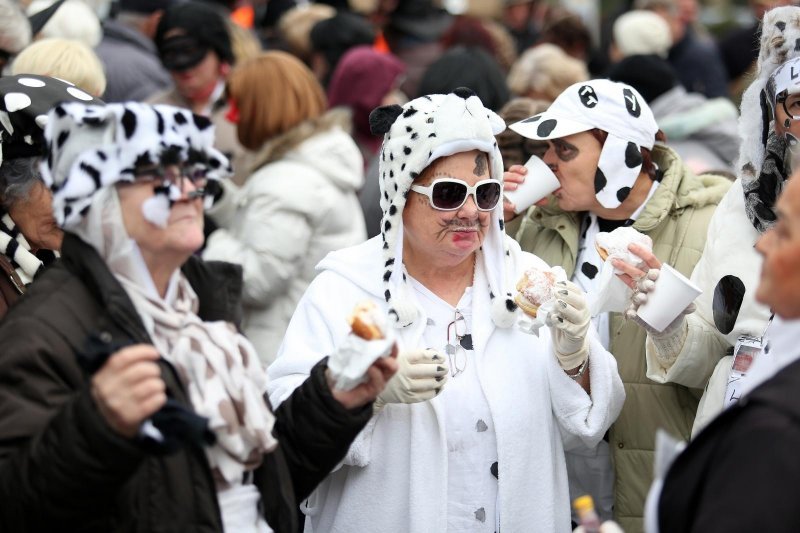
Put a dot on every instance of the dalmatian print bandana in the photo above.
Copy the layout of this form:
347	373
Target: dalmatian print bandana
616	108
91	147
24	102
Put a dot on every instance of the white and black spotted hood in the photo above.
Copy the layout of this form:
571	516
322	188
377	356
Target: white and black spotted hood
762	153
613	107
91	147
415	135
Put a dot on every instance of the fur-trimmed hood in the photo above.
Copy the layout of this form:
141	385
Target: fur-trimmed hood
277	147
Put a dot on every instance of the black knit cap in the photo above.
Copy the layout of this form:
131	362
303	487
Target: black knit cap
203	28
651	75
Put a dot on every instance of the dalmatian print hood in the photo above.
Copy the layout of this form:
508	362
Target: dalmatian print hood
91	147
415	135
762	153
613	107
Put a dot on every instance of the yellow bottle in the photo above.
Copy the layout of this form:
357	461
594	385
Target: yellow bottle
587	516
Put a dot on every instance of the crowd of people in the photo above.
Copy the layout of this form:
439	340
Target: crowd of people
201	202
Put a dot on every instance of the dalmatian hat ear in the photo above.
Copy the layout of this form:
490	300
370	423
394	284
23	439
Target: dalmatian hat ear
382	118
416	134
616	108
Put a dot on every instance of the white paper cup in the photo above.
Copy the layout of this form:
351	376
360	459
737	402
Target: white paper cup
672	293
539	182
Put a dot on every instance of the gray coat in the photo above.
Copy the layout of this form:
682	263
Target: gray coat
132	67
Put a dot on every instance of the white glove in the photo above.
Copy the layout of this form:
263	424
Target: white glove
609	526
669	342
420	376
569	324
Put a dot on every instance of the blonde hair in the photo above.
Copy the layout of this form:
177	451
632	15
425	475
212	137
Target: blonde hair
244	43
295	26
274	92
545	70
66	59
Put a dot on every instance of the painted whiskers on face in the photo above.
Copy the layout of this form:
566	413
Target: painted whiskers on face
459	224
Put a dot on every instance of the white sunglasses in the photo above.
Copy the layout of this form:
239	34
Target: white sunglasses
449	194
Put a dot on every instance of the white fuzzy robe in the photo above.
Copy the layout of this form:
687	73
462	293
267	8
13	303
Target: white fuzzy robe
394	477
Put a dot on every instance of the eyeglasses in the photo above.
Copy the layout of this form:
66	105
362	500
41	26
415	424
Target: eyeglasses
449	194
164	178
791	104
456	353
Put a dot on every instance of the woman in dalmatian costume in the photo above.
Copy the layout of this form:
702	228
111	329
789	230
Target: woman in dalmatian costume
602	148
694	352
476	399
29	237
129	401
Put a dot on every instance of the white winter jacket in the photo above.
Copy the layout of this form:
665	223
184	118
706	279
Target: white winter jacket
285	218
729	250
394	478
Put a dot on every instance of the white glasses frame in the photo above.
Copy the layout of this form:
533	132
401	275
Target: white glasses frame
471	191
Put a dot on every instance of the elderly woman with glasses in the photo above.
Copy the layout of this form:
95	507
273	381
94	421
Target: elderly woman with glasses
128	398
476	398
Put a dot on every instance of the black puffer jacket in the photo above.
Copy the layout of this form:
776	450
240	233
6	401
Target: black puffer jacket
61	466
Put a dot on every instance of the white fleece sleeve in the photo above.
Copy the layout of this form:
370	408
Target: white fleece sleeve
584	419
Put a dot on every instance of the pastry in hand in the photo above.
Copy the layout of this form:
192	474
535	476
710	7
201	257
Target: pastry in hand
365	321
617	241
535	288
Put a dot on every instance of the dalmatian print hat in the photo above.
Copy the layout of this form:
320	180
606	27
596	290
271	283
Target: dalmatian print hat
615	108
24	102
415	135
91	147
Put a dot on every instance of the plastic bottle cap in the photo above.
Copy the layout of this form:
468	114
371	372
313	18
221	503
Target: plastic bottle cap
583	503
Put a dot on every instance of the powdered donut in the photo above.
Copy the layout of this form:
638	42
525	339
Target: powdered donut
535	288
365	321
617	241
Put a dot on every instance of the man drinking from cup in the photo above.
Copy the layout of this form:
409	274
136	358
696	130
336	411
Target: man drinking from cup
602	148
476	400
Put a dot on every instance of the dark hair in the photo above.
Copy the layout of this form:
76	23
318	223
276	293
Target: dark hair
469	31
17	177
648	167
569	33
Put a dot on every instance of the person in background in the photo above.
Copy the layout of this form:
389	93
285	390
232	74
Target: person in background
15	32
125	384
696	59
465	66
515	148
294	28
29	235
701	130
195	47
331	38
602	148
129	55
477	399
70	19
66	59
692	352
378	77
544	71
640	32
299	201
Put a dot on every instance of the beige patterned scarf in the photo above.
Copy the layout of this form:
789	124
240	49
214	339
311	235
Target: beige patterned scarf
218	366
